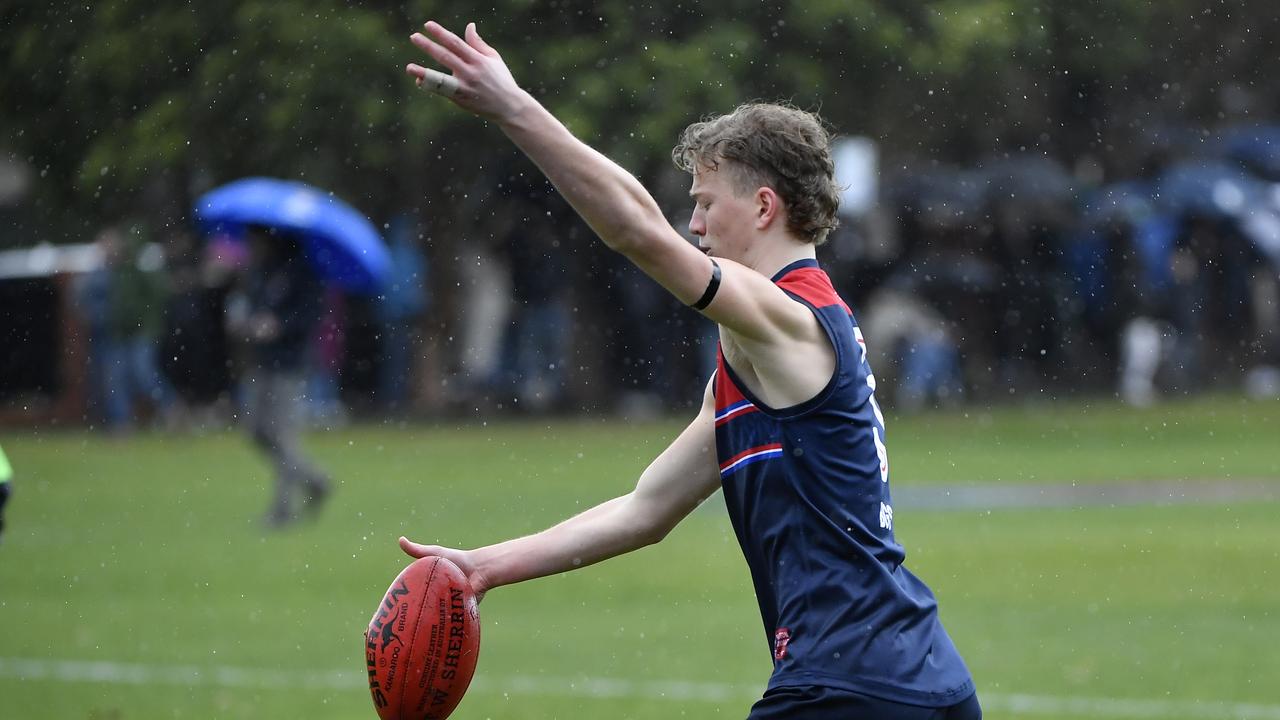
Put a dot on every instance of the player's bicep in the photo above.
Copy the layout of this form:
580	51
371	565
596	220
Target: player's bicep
752	307
683	475
742	300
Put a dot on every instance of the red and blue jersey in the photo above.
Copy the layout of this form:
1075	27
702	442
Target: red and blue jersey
807	489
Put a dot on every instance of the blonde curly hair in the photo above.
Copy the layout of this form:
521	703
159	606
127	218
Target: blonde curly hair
777	146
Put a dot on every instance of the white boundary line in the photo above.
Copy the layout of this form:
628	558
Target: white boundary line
25	670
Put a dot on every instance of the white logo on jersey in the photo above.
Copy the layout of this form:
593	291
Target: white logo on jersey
882	453
886	517
871	378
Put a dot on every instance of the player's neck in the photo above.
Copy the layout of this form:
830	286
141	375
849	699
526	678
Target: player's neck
772	257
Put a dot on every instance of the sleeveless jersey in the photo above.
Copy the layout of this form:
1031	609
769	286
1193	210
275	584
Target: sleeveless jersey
807	488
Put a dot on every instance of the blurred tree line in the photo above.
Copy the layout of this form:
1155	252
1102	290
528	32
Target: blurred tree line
126	105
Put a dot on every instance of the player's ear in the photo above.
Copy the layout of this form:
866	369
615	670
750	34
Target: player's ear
768	207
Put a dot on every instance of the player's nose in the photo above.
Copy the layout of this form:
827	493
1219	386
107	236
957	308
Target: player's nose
697	226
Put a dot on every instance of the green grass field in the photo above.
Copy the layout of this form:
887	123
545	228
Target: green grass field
136	581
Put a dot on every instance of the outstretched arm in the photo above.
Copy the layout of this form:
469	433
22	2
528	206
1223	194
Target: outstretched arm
609	199
684	475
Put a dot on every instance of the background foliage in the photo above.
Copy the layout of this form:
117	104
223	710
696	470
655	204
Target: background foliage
137	105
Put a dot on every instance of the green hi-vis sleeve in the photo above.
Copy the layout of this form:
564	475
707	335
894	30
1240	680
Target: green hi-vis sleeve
6	472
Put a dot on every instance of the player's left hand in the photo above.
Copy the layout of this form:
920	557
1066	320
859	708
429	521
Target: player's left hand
485	84
461	558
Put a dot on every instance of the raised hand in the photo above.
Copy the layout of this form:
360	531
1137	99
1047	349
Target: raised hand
480	81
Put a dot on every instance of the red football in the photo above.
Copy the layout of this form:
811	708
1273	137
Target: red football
423	642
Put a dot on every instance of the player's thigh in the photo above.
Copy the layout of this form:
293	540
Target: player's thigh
818	703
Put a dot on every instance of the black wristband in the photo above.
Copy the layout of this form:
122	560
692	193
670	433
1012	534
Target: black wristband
712	288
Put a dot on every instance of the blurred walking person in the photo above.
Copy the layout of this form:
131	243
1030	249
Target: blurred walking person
276	317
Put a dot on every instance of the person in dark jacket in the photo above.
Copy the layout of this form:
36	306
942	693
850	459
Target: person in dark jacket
280	309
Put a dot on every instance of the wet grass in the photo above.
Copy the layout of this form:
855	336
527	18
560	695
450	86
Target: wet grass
148	551
1222	437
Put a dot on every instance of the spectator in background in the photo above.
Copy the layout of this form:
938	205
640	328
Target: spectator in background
536	340
1213	266
277	317
534	327
637	338
920	357
124	301
400	310
194	353
92	291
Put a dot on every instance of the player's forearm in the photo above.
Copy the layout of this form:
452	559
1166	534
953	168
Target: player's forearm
606	196
604	531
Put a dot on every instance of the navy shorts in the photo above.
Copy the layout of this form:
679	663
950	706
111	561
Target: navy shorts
821	703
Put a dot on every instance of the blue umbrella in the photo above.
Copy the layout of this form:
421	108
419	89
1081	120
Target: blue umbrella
341	244
1210	189
1223	192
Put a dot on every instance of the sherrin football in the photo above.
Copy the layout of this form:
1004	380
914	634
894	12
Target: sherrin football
423	642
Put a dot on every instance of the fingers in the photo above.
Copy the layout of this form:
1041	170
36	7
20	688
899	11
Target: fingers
418	550
448	50
440	54
433	80
413	549
438	82
450	42
415	71
474	40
